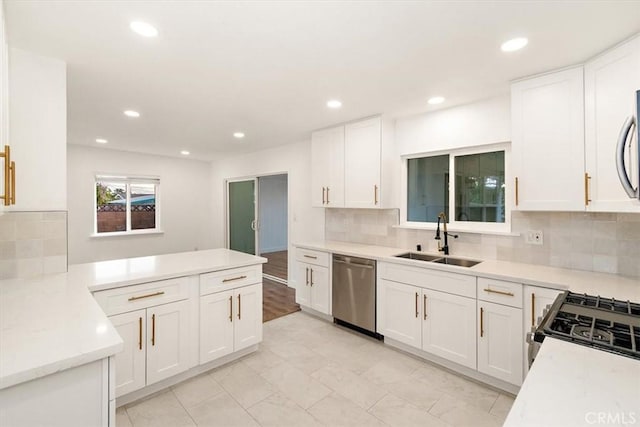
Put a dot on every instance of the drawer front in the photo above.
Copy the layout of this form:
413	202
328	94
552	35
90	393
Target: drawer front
452	283
499	291
135	297
228	279
313	257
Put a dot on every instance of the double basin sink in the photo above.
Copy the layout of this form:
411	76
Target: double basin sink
460	262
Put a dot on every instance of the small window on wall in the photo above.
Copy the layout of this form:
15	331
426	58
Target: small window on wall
126	205
473	200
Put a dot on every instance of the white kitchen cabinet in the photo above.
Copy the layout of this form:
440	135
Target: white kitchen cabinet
536	299
548	141
398	312
230	321
313	288
449	327
327	168
362	161
130	363
611	82
500	341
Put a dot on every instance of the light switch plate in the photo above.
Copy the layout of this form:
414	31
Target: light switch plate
534	237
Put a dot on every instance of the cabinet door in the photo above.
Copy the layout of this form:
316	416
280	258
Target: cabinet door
130	363
362	162
611	82
548	141
536	299
327	167
449	327
247	323
500	341
167	340
398	310
320	286
303	288
216	325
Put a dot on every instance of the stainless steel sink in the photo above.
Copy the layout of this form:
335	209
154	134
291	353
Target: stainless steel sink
457	261
420	257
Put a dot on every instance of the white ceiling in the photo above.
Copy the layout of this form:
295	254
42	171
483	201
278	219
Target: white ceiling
267	68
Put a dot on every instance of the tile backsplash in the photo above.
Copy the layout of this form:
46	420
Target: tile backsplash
603	242
32	243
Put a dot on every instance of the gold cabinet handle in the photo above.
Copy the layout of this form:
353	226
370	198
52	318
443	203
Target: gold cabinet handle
481	322
533	309
586	189
12	198
155	294
239	307
517	191
7	175
310	256
234	278
424	307
311	280
493	291
327	195
153	329
231	308
375	194
140	333
417	296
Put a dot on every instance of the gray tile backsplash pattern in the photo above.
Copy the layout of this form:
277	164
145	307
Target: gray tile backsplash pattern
603	242
32	243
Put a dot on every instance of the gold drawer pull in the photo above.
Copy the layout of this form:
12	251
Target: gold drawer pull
481	322
139	333
510	294
231	308
234	278
517	191
311	256
586	189
155	294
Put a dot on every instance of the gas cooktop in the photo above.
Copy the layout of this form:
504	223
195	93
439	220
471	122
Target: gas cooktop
604	323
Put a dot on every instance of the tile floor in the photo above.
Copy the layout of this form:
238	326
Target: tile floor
309	372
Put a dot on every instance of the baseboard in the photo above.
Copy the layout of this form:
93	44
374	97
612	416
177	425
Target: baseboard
276	279
316	313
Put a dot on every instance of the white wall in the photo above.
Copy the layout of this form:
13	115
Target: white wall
38	130
305	222
272	216
484	122
186	204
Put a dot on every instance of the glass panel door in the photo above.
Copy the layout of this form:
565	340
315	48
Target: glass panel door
242	216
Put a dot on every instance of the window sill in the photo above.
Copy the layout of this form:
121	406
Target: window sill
456	229
127	233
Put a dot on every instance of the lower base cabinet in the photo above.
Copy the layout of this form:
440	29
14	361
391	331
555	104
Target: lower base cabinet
155	345
230	321
313	286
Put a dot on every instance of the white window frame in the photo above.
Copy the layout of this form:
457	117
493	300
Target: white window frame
452	224
128	181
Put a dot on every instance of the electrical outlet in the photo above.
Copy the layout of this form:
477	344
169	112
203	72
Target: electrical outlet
534	237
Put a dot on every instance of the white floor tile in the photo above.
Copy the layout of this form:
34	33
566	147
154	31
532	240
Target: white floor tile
196	390
296	385
459	413
122	419
160	411
335	410
398	412
221	410
277	410
346	383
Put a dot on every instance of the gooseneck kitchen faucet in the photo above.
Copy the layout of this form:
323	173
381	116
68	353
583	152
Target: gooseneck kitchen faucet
443	248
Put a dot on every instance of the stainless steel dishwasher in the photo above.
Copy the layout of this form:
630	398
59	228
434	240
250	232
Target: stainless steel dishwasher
354	292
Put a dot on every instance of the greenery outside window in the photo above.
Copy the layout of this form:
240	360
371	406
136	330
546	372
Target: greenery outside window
125	205
476	199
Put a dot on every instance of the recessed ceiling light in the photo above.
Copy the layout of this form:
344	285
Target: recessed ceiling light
514	44
131	113
436	100
185	153
334	103
101	141
238	135
143	28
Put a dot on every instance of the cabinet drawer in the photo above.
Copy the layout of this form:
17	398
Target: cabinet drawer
499	291
313	257
452	283
228	279
135	297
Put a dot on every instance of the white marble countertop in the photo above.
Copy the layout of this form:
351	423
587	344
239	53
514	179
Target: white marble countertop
606	285
52	323
573	385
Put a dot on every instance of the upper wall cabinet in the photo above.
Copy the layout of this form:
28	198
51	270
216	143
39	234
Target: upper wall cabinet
547	114
352	165
610	82
38	124
327	168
